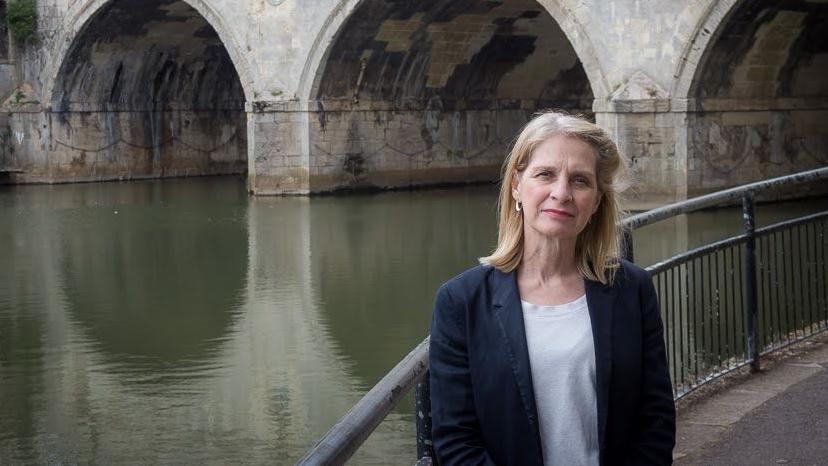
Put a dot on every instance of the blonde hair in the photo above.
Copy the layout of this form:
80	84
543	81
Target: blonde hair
597	247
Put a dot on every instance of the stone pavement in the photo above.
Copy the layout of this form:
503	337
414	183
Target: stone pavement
778	416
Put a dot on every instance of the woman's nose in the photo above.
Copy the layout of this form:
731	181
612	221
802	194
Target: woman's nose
561	190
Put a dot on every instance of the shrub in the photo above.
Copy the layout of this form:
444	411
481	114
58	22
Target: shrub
22	18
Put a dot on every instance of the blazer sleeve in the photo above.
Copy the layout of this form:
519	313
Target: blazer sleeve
656	434
456	434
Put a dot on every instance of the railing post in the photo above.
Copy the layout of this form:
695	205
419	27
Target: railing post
422	409
627	245
751	302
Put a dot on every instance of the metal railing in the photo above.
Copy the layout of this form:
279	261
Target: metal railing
724	305
706	295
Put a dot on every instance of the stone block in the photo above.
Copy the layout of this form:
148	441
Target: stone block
788	19
762	73
809	122
745	118
665	120
774	42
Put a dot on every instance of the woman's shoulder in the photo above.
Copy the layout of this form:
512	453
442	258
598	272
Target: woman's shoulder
468	281
630	274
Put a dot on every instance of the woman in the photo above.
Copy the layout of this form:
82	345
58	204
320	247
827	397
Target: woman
551	351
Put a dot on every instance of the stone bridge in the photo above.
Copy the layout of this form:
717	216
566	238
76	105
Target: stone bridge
317	95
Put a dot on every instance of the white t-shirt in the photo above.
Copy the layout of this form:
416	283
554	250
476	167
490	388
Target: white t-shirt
562	358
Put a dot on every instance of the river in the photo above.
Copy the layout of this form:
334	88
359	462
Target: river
183	321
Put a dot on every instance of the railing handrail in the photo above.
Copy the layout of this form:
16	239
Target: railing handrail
708	200
723	243
347	435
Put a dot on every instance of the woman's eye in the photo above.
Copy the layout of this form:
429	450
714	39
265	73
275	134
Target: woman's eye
582	181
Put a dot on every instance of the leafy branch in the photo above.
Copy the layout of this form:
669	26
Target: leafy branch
21	16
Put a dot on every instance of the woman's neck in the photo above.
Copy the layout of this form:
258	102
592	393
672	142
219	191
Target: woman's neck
546	259
548	273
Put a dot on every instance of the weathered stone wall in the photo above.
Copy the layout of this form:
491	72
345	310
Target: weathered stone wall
145	91
277	155
650	141
93	146
736	147
761	97
434	92
383	148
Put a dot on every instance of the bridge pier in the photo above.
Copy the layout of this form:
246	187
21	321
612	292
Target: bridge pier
277	149
652	133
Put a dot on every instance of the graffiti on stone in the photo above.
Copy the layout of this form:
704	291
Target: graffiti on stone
725	148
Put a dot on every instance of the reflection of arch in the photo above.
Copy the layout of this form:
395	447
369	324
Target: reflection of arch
342	12
157	296
82	13
269	386
695	51
391	297
298	366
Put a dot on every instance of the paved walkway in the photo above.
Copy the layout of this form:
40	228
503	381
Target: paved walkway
779	416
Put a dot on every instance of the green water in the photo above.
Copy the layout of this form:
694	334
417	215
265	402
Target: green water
184	321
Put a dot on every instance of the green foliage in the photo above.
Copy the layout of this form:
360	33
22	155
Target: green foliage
22	18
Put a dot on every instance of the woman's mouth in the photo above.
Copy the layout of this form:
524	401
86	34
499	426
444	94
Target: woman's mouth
557	213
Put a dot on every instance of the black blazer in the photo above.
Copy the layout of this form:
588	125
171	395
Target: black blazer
482	400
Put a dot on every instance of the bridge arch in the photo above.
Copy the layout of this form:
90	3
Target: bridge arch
753	78
80	14
145	90
344	9
706	30
412	93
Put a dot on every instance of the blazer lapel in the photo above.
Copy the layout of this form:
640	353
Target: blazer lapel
509	315
600	300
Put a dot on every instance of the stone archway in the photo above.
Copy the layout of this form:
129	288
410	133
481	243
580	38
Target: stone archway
694	52
574	31
80	14
432	92
144	91
758	99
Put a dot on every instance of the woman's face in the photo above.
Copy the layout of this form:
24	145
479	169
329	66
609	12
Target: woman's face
558	188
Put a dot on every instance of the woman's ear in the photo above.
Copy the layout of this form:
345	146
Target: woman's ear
598	203
515	186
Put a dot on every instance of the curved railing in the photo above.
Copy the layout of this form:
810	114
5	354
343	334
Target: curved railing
724	305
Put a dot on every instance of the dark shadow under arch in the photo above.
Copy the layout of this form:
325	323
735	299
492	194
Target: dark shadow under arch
147	89
430	92
761	98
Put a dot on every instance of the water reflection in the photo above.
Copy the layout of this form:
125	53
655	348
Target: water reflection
131	297
151	287
285	330
377	261
169	322
22	332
